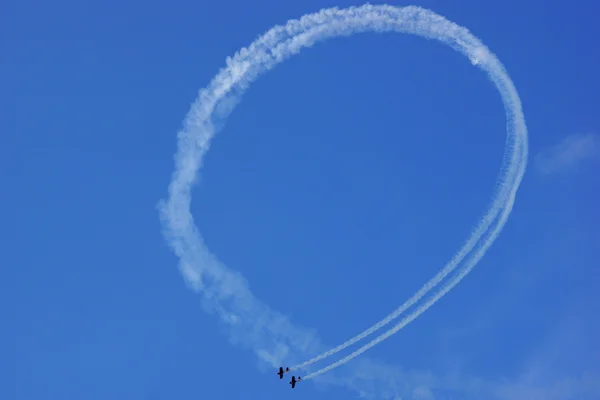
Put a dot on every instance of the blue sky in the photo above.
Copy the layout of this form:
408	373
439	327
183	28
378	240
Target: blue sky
345	179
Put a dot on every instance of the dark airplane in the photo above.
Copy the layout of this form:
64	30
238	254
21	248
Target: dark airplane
280	373
293	381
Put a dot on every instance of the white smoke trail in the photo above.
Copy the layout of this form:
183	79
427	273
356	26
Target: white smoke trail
226	291
512	171
448	286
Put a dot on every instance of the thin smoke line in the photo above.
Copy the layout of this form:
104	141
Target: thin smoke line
445	289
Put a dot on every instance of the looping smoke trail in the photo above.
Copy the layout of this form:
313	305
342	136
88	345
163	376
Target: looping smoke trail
226	291
512	171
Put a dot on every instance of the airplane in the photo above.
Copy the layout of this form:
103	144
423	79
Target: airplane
293	381
280	373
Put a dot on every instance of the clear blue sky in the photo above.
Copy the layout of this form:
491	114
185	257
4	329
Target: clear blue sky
344	180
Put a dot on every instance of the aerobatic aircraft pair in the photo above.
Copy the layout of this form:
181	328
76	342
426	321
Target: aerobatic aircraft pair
293	381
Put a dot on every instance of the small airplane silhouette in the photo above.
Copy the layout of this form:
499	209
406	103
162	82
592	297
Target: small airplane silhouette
281	372
293	381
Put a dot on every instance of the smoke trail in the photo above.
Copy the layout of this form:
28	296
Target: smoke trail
448	286
225	291
512	170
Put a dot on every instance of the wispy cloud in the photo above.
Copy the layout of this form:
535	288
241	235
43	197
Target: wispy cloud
374	380
567	154
585	386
